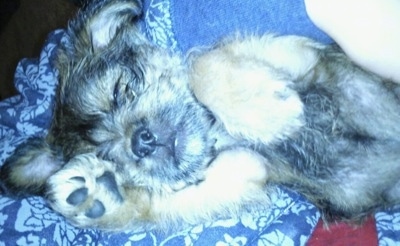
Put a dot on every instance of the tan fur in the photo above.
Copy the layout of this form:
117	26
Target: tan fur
243	109
235	178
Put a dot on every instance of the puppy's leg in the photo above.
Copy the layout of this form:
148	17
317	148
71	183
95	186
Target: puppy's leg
367	103
236	179
89	194
248	84
26	171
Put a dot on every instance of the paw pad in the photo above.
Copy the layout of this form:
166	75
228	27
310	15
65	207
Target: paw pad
94	208
78	197
96	211
108	181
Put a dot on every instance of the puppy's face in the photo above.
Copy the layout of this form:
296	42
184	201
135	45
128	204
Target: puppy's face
130	103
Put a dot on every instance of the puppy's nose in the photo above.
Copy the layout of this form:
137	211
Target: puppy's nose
144	143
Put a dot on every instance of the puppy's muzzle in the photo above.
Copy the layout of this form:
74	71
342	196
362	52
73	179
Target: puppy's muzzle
144	143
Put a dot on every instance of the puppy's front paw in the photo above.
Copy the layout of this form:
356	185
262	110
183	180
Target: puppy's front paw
85	191
249	96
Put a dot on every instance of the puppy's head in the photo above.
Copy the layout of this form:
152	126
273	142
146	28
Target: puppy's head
128	101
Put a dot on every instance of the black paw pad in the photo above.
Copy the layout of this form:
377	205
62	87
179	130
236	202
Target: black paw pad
108	180
96	211
78	179
78	197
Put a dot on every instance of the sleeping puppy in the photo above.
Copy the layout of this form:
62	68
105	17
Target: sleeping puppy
142	138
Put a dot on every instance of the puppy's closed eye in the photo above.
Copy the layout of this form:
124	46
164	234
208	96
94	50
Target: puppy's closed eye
124	93
128	86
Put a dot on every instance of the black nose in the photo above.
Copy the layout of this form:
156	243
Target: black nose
143	143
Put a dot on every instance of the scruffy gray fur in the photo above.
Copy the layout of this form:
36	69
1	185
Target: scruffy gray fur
143	138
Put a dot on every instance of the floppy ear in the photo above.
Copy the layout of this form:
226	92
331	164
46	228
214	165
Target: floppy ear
109	18
27	170
97	23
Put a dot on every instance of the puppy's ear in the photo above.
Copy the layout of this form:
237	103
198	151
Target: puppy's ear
27	170
109	18
99	21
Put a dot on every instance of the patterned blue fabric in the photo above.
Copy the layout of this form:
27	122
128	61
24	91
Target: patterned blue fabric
30	221
388	226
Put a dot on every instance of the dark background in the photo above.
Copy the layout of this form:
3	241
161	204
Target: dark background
24	26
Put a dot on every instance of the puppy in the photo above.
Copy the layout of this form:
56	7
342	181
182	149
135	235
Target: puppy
142	138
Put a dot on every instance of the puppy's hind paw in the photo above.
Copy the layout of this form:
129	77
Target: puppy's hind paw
85	191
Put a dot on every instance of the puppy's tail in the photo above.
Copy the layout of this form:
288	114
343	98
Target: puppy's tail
27	170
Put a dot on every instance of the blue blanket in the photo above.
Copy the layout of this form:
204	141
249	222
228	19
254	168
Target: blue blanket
290	221
181	25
